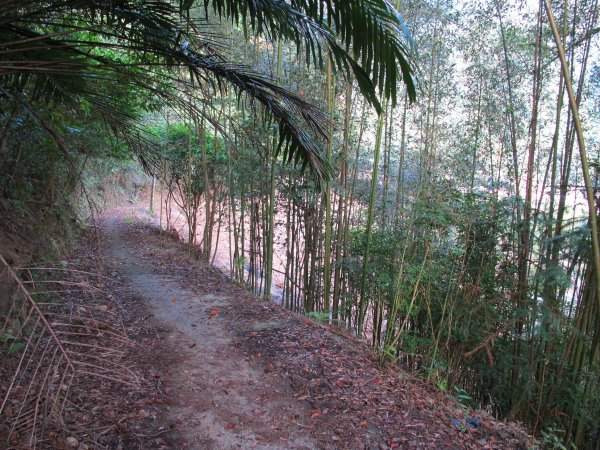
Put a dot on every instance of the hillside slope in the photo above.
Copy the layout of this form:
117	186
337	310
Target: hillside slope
211	367
318	386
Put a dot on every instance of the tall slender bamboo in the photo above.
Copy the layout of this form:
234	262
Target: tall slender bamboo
343	204
272	197
582	151
327	194
365	269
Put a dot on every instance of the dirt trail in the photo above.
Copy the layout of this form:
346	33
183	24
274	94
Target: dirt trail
225	370
219	400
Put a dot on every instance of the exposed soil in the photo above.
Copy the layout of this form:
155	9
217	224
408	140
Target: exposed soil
217	397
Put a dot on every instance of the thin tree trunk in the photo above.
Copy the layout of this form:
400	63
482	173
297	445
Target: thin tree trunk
327	194
207	194
365	269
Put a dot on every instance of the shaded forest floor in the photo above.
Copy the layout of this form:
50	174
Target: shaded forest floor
221	369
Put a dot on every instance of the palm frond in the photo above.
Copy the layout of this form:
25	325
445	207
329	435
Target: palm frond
62	60
56	53
48	352
374	43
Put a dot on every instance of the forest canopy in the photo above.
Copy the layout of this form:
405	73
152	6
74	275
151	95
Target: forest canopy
117	59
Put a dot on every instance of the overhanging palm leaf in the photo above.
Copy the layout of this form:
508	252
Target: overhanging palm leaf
55	52
381	47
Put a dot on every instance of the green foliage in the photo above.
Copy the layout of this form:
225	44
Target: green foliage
381	54
91	63
321	317
553	439
388	352
10	341
15	347
6	337
464	397
442	385
180	147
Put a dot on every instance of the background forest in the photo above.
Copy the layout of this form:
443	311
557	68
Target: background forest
453	232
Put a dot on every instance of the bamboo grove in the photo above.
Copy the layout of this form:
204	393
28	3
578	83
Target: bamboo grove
452	233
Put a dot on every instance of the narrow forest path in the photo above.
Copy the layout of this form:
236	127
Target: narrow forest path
230	371
221	401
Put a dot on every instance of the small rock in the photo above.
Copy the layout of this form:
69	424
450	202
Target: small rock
72	442
473	422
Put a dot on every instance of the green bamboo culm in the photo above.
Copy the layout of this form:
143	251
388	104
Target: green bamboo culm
365	269
327	194
271	233
207	196
590	198
582	152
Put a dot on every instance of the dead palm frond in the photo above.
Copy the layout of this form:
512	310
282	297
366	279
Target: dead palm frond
47	348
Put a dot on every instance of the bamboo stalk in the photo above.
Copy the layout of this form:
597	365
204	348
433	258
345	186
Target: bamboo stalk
582	151
272	197
365	269
327	194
